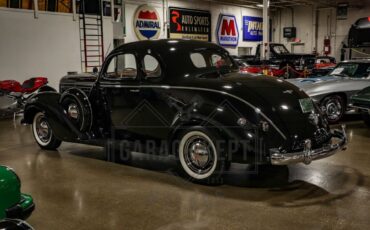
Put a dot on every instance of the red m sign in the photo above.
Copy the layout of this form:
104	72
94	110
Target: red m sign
228	27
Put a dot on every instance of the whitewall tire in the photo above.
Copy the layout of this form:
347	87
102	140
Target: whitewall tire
43	133
198	157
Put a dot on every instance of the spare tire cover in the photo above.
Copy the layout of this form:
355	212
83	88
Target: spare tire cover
77	107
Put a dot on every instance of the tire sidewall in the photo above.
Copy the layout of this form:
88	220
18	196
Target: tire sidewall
213	176
34	131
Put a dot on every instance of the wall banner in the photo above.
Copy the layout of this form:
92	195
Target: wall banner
252	28
147	24
227	32
190	24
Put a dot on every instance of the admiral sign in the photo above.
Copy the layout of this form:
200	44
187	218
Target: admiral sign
190	24
227	31
252	28
147	23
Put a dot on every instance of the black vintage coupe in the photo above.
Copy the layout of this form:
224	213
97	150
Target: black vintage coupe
184	98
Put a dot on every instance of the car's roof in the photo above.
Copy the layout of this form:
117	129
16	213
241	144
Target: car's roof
174	54
168	45
365	61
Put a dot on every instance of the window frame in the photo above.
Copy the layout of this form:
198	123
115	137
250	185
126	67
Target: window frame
108	62
212	52
160	63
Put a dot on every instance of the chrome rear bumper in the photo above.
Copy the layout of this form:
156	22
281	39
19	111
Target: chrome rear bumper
308	154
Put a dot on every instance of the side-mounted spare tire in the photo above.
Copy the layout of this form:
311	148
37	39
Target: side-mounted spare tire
78	109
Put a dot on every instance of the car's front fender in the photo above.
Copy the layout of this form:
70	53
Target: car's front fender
48	103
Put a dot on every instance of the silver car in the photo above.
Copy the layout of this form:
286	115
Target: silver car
332	92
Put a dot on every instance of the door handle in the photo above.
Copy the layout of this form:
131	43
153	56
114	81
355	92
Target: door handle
135	90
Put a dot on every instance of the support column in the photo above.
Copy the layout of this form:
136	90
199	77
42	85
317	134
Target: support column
36	8
74	10
265	55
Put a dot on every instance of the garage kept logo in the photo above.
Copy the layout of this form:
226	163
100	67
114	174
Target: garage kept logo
147	23
227	31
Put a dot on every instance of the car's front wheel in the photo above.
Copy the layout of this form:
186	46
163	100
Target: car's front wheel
43	133
335	107
200	158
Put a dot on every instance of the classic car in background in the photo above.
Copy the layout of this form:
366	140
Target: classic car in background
324	61
14	205
332	92
323	65
359	33
194	110
281	63
13	95
361	102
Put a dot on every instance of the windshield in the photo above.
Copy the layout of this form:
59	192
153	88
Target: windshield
345	69
280	49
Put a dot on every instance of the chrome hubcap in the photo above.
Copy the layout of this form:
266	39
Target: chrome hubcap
73	111
333	109
198	155
43	129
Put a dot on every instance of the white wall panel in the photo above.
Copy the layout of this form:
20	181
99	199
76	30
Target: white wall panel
48	46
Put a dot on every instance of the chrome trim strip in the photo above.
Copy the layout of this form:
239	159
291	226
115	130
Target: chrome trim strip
308	155
359	107
77	84
257	110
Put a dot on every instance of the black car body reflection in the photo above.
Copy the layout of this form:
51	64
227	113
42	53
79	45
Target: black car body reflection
188	99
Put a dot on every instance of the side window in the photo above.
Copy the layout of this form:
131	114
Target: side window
198	60
122	66
152	68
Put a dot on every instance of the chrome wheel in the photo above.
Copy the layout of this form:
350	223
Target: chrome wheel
198	155
334	108
41	129
73	111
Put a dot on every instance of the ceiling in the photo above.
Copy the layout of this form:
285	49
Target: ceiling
291	3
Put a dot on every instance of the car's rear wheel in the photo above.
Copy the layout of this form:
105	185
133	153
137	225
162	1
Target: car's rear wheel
366	118
43	133
200	159
334	107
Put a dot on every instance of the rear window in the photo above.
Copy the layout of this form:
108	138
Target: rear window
211	59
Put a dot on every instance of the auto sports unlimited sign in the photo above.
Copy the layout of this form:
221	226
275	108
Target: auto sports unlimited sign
147	23
252	28
190	24
227	31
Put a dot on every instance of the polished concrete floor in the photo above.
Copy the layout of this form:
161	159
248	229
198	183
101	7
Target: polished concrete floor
75	188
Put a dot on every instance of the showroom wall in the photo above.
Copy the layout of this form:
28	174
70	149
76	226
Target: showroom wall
50	45
214	8
47	46
328	25
301	17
